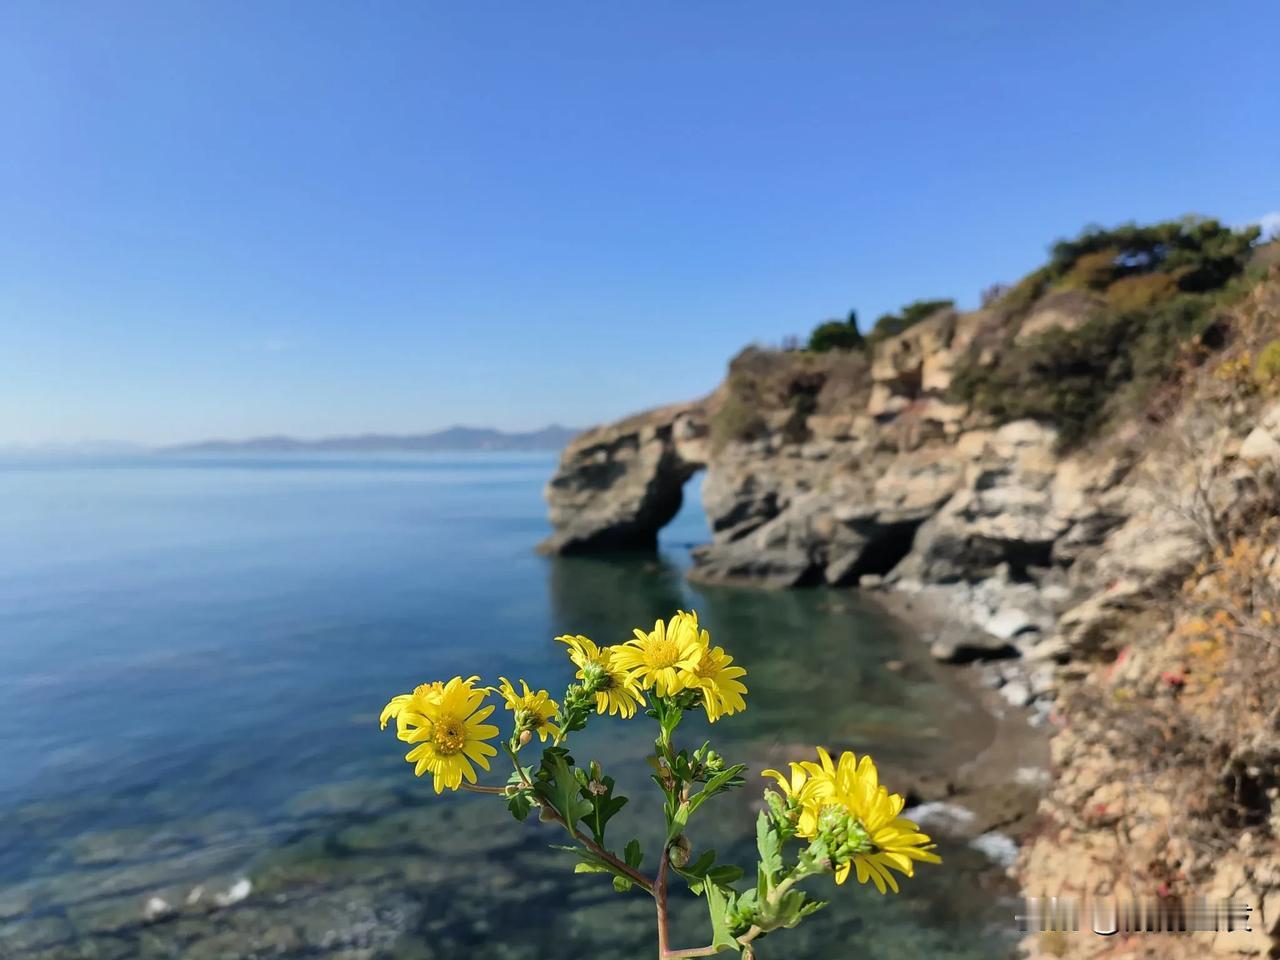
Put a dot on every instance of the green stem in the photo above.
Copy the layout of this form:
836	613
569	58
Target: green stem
664	954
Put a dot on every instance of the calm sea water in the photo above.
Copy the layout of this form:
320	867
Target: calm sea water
193	655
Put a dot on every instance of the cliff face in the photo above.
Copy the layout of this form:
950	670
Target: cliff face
1101	570
830	468
618	485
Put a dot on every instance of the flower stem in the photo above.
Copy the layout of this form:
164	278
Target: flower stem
660	899
660	894
477	788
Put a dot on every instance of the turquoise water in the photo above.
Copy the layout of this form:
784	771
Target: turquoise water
193	655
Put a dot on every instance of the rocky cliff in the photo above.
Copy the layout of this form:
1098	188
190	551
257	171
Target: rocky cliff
1088	559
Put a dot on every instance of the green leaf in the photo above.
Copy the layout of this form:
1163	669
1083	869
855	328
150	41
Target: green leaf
718	904
695	873
603	807
769	844
520	804
700	866
726	778
724	874
678	821
633	854
560	790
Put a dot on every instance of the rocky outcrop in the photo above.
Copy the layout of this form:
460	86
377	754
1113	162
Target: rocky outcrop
1083	573
618	485
831	468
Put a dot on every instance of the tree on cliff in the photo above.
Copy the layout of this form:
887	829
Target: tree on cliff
837	335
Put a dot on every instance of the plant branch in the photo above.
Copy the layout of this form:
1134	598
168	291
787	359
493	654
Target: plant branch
660	899
664	954
476	788
636	876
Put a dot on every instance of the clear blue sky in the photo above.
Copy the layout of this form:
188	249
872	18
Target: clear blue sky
231	218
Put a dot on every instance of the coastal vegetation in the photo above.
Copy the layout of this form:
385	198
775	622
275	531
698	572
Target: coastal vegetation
845	335
1138	300
832	814
1151	300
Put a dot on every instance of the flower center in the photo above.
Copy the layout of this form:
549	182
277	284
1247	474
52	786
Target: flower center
663	653
448	735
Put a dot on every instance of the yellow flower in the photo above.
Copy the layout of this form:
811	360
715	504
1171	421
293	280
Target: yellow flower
852	788
533	711
447	726
407	708
616	690
717	678
662	657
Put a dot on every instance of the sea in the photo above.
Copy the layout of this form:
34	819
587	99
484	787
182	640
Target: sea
194	652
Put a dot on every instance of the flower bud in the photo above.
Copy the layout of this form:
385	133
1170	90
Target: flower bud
525	736
594	678
594	769
713	763
680	850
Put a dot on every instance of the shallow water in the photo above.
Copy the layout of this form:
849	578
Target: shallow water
193	655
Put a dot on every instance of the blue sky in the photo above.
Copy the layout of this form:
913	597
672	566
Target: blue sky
233	218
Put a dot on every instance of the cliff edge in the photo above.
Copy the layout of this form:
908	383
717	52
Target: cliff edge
1084	474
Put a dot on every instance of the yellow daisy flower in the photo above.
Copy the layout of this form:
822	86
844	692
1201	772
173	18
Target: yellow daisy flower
451	734
662	657
616	690
407	708
852	787
717	678
533	711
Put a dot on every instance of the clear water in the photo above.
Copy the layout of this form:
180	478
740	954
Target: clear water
193	655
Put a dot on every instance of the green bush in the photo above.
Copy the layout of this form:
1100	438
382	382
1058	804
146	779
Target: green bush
892	324
837	335
1075	379
1162	284
735	420
1266	372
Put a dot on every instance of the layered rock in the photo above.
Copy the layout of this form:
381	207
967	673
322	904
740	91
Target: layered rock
830	468
618	485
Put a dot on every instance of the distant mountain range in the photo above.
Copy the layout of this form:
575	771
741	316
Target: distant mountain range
553	437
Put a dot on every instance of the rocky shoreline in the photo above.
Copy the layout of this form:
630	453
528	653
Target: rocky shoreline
1044	564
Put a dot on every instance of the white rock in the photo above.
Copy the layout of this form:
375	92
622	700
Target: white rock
157	908
238	891
1010	622
996	847
1031	776
948	817
1260	444
1017	693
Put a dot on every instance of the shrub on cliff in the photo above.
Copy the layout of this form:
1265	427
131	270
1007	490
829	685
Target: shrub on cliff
837	335
1203	252
891	324
1266	372
1161	284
